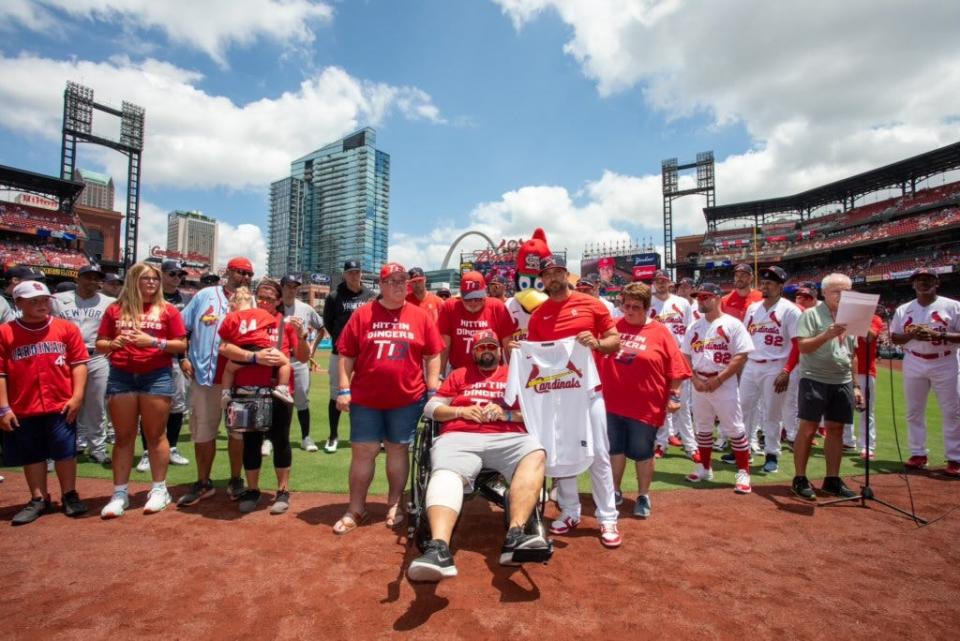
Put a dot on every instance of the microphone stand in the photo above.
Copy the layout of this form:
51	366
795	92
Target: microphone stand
866	492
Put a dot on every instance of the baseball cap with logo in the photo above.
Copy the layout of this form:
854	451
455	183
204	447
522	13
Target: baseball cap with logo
90	269
171	265
485	336
743	267
30	289
112	278
290	279
923	271
240	264
473	286
209	279
709	288
351	265
774	273
584	283
807	289
390	269
23	272
551	262
416	273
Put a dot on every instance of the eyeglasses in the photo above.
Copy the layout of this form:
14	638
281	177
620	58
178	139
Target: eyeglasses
486	347
630	307
266	299
243	272
150	278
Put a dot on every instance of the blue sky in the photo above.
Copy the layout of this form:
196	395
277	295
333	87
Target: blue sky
499	115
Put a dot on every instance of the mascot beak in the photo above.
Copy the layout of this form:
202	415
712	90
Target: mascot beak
530	299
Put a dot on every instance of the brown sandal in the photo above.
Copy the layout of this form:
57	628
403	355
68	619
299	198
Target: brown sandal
349	522
395	516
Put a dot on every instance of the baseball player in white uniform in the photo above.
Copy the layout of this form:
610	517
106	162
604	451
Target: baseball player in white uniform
674	312
717	346
772	325
928	327
84	308
310	320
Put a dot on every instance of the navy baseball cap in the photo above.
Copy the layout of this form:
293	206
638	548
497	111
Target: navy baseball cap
112	278
171	265
65	286
23	272
290	279
551	262
923	271
743	267
709	288
89	269
209	279
661	273
686	280
351	265
416	273
773	273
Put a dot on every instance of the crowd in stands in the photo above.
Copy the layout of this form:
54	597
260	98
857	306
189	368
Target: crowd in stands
40	255
26	219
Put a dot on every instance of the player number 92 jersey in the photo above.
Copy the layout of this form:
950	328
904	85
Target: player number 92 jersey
712	345
772	329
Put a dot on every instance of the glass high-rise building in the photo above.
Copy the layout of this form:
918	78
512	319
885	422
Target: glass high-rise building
334	206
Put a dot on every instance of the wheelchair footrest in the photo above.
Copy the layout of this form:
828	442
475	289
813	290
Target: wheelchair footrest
530	555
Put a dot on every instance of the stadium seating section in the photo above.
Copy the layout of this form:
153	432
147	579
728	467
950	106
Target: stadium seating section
33	220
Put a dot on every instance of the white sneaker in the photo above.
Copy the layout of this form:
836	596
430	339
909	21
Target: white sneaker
307	445
700	473
157	501
144	464
742	484
119	502
267	448
331	446
176	458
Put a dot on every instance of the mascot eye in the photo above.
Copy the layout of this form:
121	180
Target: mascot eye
525	282
538	284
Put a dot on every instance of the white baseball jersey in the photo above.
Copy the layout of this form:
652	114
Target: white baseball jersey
942	315
557	383
711	346
772	329
85	313
674	312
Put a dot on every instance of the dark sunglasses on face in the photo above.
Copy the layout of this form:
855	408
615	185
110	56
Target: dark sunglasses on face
243	272
486	347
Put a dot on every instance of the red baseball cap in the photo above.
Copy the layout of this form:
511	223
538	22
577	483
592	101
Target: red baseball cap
390	269
473	285
485	336
240	264
605	262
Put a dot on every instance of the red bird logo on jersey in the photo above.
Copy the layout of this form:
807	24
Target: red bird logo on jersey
573	368
208	317
935	317
695	343
653	313
676	309
722	334
907	323
773	317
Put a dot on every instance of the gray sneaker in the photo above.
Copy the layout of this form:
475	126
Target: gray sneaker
235	489
281	503
249	501
307	445
641	509
31	512
771	466
198	491
176	458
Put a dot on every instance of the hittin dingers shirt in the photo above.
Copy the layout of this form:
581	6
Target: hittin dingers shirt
558	384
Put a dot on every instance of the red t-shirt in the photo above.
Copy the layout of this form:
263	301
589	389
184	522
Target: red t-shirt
469	386
736	305
431	304
37	363
579	312
636	380
459	324
250	328
261	375
389	346
876	326
140	360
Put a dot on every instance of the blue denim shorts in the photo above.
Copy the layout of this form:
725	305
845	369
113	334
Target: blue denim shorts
368	425
42	437
159	382
631	437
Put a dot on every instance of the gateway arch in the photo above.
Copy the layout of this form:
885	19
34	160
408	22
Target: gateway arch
453	246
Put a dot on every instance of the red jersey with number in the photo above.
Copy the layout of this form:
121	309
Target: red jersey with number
166	325
431	303
579	312
260	375
459	324
876	326
250	328
469	386
389	346
736	305
636	380
37	363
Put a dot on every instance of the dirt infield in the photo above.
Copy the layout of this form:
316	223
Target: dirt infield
708	565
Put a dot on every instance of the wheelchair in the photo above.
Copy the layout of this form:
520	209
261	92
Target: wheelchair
489	484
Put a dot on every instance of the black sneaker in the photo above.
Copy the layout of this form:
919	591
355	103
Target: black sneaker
802	488
524	548
31	512
248	501
72	505
435	565
729	459
100	458
235	489
834	486
281	503
198	491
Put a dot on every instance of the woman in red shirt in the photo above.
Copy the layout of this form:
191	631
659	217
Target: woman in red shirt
261	372
140	333
641	383
389	363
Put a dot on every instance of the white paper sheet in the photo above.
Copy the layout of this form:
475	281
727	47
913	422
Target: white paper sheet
857	310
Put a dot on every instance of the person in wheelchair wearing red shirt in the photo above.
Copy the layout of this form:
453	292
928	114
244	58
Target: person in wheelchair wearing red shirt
479	431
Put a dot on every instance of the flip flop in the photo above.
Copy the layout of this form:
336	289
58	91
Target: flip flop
349	522
395	516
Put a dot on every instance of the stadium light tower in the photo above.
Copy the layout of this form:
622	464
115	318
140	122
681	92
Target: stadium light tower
78	108
670	172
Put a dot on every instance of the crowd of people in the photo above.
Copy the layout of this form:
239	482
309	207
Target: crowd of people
550	383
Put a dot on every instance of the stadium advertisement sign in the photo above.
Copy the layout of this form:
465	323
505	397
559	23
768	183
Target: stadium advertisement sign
616	271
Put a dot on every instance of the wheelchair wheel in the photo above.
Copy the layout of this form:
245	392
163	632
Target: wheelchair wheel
418	530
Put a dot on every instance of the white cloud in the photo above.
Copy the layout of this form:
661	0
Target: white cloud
210	26
195	139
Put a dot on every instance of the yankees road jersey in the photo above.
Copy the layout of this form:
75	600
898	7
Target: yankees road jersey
311	320
674	313
202	317
711	345
772	330
736	305
556	383
86	314
460	325
37	363
942	315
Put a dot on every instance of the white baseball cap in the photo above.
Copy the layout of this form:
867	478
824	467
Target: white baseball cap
30	289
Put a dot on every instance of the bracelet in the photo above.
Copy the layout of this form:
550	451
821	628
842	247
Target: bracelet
343	392
5	410
162	344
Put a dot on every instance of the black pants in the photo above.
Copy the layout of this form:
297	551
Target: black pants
279	435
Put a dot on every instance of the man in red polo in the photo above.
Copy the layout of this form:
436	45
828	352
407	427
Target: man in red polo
419	296
743	295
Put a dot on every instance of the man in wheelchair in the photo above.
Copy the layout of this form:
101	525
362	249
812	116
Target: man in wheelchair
478	431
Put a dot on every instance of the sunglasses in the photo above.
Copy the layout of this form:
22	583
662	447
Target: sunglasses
704	296
243	272
486	347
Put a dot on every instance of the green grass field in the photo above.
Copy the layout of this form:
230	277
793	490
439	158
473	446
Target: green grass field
321	472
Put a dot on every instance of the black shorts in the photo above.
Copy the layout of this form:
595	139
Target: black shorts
831	402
